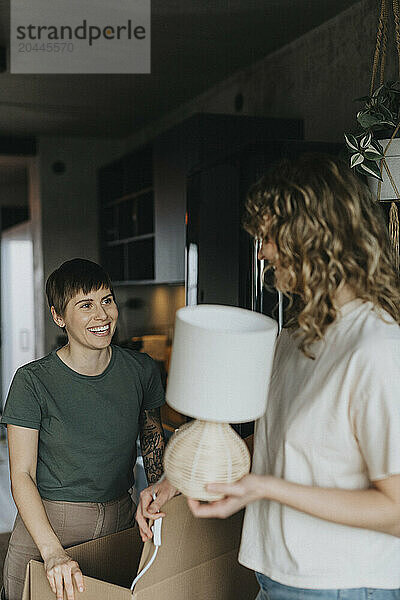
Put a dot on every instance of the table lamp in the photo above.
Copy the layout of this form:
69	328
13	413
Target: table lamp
219	374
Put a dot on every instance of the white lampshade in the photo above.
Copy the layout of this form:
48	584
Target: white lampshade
221	363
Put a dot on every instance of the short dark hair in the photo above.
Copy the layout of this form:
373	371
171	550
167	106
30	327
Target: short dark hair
72	277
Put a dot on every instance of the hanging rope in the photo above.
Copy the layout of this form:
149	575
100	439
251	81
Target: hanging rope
380	62
384	45
396	13
380	49
394	233
394	212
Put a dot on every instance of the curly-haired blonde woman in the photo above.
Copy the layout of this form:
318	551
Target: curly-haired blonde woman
323	498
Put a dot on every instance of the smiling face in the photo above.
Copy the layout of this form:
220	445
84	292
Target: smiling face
89	319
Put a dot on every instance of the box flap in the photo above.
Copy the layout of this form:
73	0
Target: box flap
27	583
113	558
39	588
188	542
221	578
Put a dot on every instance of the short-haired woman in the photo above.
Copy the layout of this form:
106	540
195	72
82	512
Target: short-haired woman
323	498
73	417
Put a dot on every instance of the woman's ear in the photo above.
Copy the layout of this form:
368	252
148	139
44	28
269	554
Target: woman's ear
56	318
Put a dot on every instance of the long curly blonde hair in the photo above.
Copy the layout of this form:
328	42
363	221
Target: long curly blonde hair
329	232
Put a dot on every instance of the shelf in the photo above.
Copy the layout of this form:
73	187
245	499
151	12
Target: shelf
134	238
145	282
130	196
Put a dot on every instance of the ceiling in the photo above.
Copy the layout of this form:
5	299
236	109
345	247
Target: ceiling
195	44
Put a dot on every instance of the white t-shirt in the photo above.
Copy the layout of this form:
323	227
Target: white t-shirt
330	422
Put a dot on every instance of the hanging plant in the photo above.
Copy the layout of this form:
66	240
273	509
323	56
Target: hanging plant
381	112
380	118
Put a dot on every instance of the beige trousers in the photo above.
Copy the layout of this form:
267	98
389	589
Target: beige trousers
73	523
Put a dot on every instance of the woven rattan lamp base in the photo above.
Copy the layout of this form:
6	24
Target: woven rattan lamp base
202	452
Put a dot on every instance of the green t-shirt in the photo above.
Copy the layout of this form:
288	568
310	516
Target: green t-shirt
87	425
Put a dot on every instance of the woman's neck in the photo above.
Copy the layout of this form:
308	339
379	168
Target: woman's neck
344	295
85	361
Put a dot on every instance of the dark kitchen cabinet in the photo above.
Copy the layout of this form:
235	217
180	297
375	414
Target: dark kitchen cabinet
126	196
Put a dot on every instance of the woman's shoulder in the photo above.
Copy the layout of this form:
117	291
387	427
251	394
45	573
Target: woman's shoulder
36	366
376	326
360	329
374	340
30	380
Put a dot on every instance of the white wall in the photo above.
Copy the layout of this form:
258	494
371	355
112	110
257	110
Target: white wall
17	302
69	214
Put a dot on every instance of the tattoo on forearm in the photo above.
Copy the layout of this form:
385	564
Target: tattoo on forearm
152	442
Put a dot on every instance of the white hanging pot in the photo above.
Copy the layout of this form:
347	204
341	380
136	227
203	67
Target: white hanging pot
392	156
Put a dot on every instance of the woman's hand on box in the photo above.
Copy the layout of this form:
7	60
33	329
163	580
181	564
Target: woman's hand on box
149	509
236	496
61	571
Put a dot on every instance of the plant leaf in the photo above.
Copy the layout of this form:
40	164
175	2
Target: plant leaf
365	140
375	144
386	113
367	120
378	91
351	141
371	169
356	159
372	154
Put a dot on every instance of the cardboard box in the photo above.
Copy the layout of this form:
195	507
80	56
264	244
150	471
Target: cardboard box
196	561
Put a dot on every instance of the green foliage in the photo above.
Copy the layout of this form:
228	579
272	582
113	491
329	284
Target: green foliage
380	111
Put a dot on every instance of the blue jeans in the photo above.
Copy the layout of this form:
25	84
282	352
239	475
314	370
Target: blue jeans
272	590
